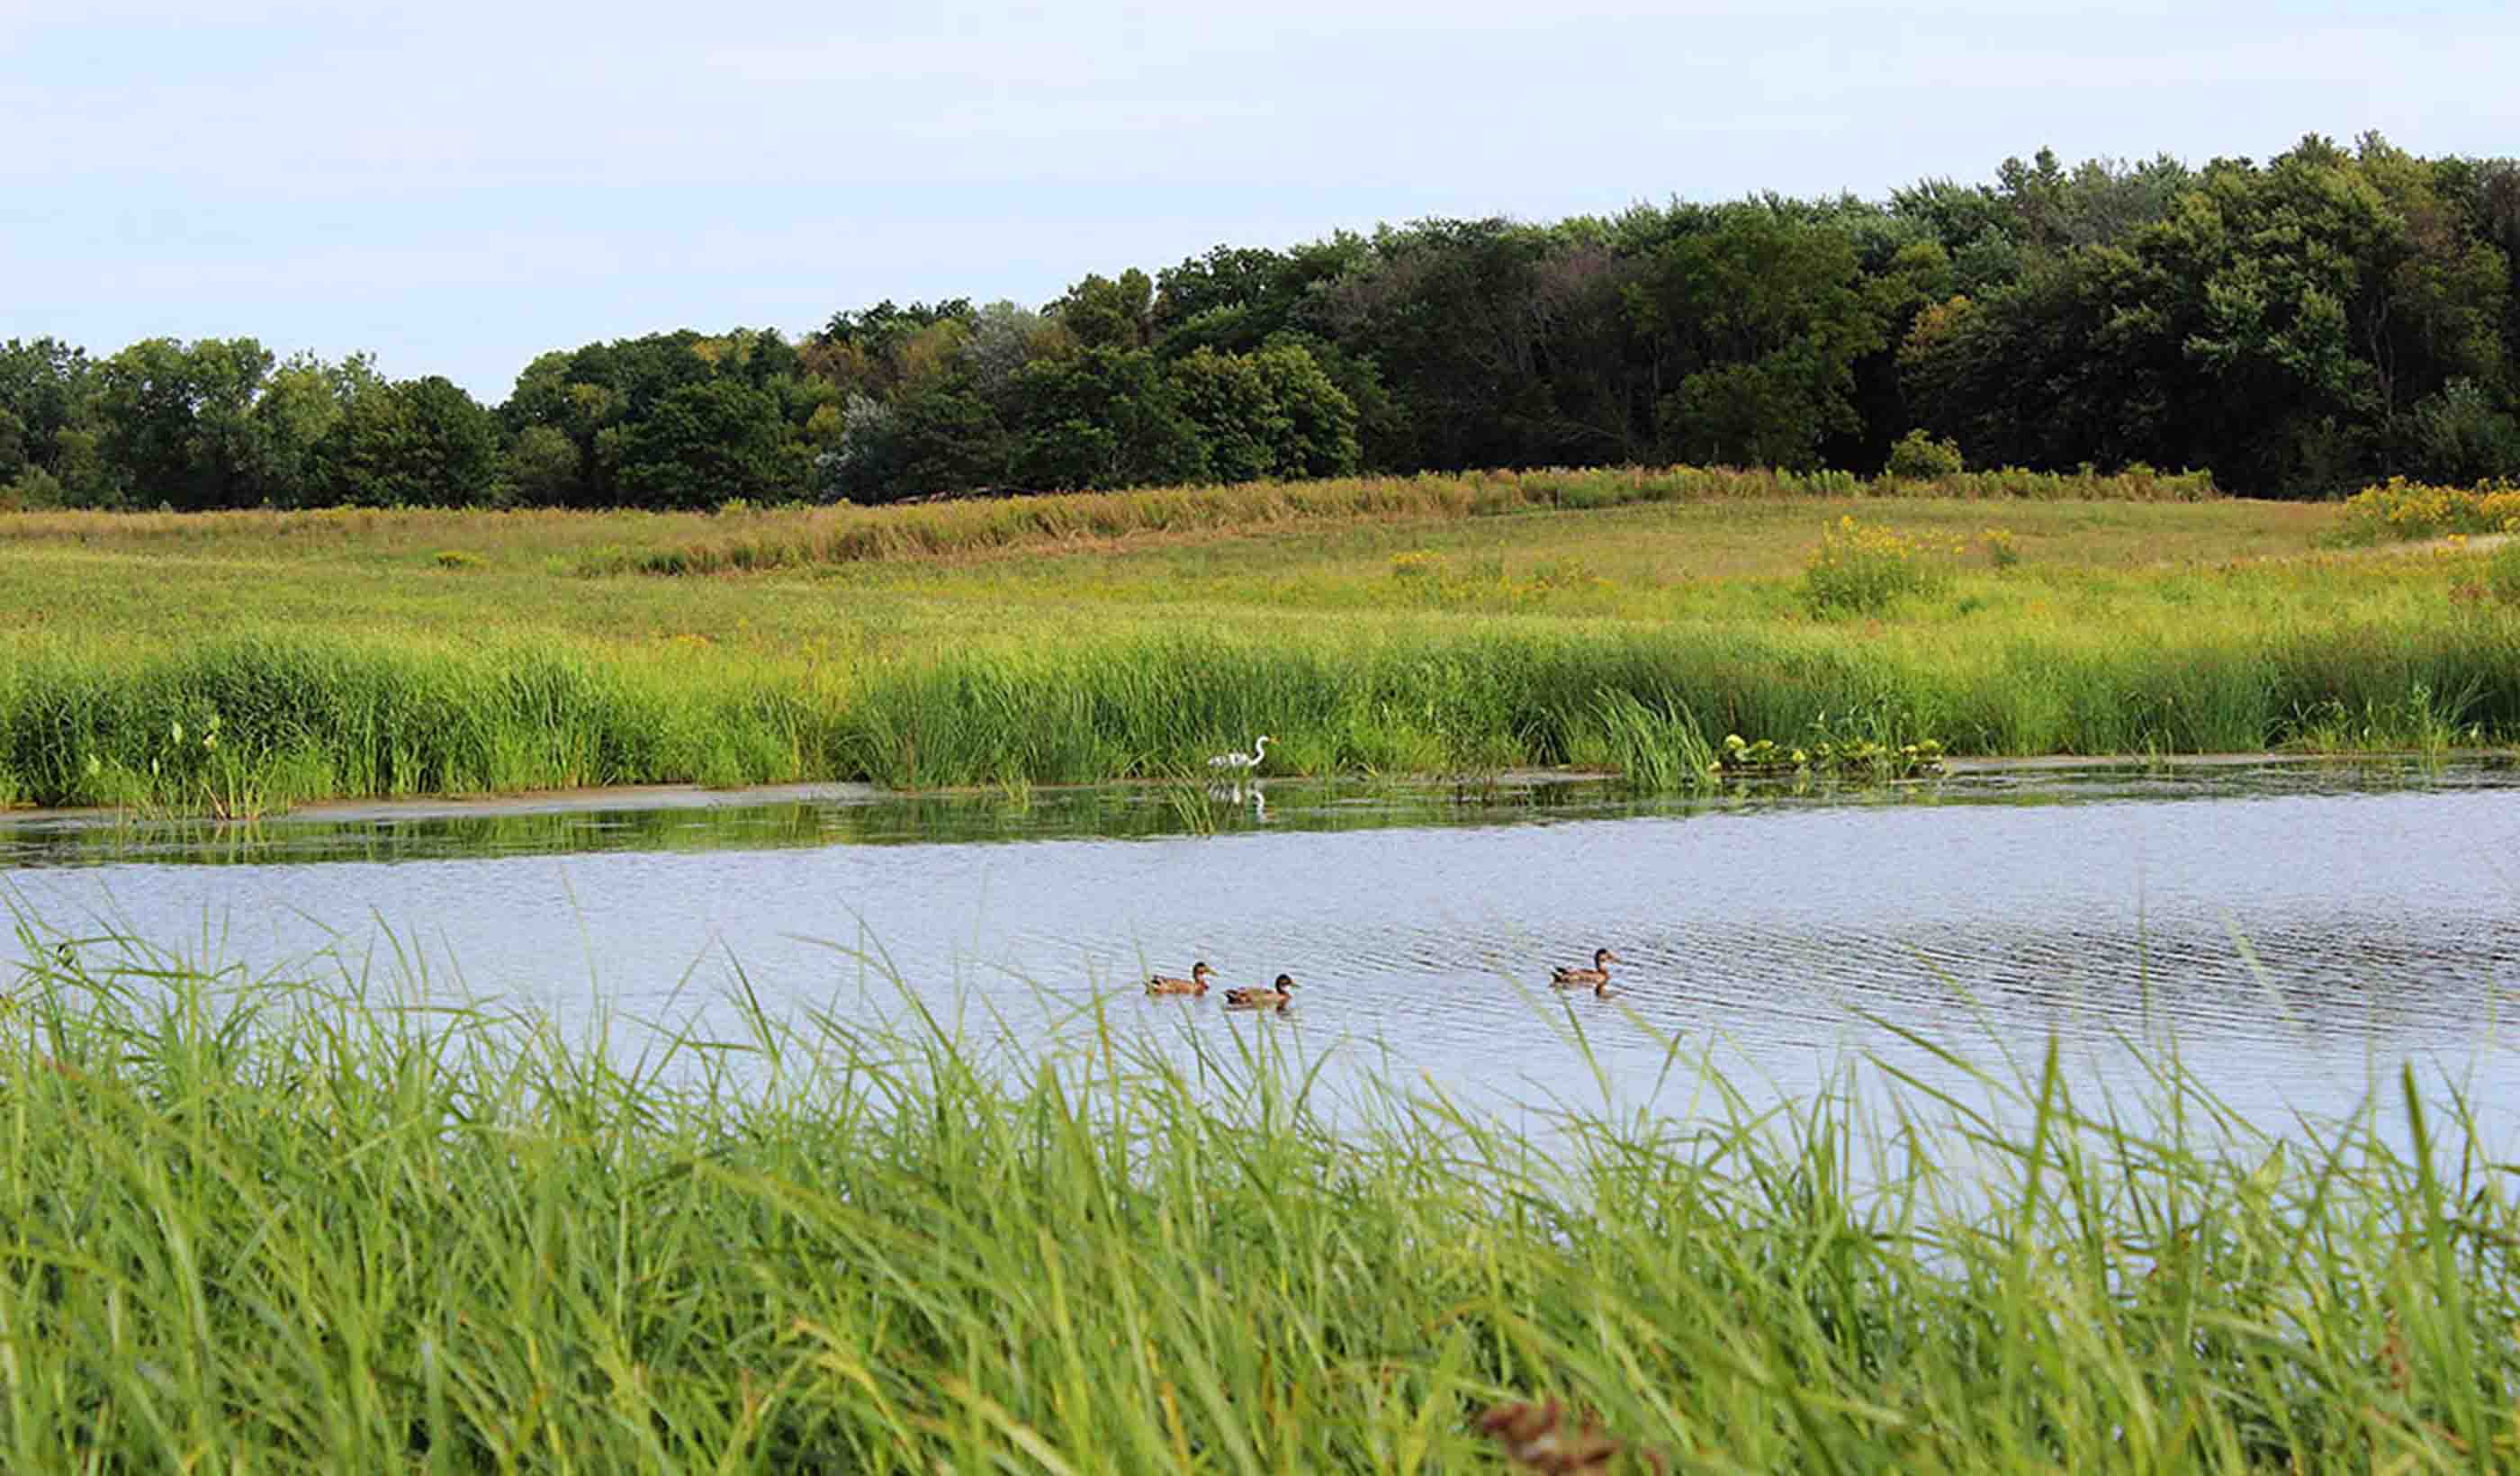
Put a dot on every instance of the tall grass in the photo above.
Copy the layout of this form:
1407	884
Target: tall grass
1649	703
849	535
245	724
269	1225
305	717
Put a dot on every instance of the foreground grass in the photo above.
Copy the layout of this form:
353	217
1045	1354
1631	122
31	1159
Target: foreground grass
259	1225
378	655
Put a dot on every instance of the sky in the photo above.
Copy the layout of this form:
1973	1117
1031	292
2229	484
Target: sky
455	186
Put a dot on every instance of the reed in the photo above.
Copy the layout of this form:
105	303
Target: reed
245	724
317	1226
849	535
300	717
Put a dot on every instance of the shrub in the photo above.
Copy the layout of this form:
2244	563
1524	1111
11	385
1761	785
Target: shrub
33	490
2409	509
1922	458
2460	434
1859	568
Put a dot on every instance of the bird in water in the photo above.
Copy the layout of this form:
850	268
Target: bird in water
1262	998
1243	763
1596	978
1197	983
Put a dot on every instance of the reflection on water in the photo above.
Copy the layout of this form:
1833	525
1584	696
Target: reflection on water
2297	929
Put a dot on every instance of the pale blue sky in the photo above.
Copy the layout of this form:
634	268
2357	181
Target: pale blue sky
457	185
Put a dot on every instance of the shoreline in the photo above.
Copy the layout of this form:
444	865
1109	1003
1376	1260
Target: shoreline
597	799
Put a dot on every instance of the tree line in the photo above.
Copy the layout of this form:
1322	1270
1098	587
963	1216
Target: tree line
2295	326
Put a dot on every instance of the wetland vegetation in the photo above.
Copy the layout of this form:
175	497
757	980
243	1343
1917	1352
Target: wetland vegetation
282	1225
235	663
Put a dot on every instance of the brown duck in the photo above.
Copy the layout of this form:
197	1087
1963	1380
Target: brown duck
1197	983
1596	978
1262	998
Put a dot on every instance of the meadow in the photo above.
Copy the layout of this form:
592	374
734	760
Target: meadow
1626	620
291	1224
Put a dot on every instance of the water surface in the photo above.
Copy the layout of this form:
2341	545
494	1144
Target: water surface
2297	931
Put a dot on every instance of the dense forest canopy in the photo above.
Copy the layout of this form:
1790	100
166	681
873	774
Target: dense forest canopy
2295	326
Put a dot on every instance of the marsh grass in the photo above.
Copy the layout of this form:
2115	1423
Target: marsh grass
307	717
268	1224
297	717
343	667
1654	745
851	535
2426	723
2502	575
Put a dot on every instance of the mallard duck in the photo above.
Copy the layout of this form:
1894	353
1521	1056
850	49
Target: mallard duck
1197	983
1262	998
1596	978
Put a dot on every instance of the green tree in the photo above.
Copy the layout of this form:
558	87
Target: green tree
1763	321
178	420
542	467
45	390
947	438
602	395
1107	313
2071	363
1105	418
702	443
1320	439
1236	411
1001	340
1270	413
939	437
413	443
299	405
1235	299
1446	310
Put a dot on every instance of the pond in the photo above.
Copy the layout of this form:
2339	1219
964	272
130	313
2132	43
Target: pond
2296	931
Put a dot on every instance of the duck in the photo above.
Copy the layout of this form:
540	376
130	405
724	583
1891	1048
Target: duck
1262	998
1197	983
1596	978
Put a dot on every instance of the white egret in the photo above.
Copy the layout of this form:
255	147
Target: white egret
1243	763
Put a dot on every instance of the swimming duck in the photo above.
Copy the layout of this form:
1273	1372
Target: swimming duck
1261	998
1197	983
1596	978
